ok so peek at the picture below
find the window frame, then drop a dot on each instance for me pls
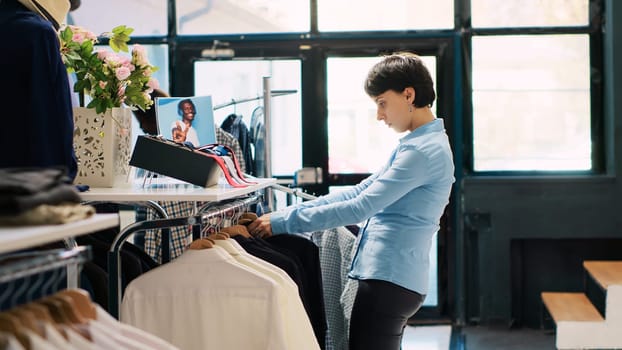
(594, 32)
(456, 69)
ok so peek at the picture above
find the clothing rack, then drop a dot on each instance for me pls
(213, 209)
(273, 93)
(24, 264)
(204, 213)
(224, 210)
(294, 191)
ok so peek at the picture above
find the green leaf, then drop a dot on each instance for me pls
(120, 37)
(66, 35)
(122, 30)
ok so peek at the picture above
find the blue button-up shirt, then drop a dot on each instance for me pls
(403, 201)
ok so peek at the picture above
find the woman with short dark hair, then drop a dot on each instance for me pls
(401, 206)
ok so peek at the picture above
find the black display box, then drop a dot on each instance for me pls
(172, 159)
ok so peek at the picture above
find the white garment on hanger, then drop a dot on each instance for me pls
(151, 341)
(10, 342)
(120, 341)
(53, 336)
(204, 299)
(78, 341)
(298, 332)
(36, 342)
(103, 340)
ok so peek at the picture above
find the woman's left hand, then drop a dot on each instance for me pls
(261, 227)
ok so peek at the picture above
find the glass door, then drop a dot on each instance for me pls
(229, 82)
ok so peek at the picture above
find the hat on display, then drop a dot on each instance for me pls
(54, 11)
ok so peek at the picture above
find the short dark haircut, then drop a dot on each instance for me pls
(182, 102)
(398, 71)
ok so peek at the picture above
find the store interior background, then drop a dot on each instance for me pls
(531, 94)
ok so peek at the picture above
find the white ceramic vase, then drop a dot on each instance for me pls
(102, 143)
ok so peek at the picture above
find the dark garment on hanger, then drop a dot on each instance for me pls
(146, 261)
(97, 279)
(234, 125)
(257, 137)
(308, 254)
(254, 247)
(132, 264)
(303, 285)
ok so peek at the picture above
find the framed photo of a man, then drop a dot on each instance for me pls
(186, 119)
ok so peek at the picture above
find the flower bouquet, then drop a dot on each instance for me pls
(109, 78)
(116, 84)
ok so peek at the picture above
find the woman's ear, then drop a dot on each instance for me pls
(409, 93)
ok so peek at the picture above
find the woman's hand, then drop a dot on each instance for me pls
(261, 227)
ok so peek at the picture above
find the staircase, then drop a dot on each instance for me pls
(592, 319)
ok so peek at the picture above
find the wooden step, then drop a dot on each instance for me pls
(564, 306)
(605, 273)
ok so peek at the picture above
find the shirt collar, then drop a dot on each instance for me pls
(436, 125)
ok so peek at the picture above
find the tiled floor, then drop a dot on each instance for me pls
(427, 338)
(504, 338)
(476, 338)
(439, 337)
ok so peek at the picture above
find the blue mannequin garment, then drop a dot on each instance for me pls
(258, 133)
(37, 119)
(235, 125)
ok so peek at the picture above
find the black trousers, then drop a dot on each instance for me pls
(379, 315)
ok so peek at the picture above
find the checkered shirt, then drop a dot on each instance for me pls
(337, 248)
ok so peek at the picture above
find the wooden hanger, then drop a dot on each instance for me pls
(221, 235)
(43, 314)
(236, 230)
(201, 243)
(82, 302)
(55, 309)
(10, 324)
(70, 309)
(61, 310)
(40, 311)
(27, 319)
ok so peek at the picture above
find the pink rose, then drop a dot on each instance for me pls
(102, 54)
(139, 55)
(78, 37)
(122, 73)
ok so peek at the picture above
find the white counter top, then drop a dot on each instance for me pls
(20, 237)
(173, 190)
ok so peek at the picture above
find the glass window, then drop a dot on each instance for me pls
(531, 102)
(241, 80)
(529, 13)
(242, 16)
(372, 15)
(357, 142)
(147, 17)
